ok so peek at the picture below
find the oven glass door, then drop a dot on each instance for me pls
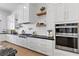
(60, 30)
(66, 30)
(71, 30)
(67, 42)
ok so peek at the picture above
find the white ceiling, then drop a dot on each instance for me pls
(8, 6)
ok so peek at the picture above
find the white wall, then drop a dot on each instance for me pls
(34, 8)
(49, 18)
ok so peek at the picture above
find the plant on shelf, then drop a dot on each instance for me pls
(42, 11)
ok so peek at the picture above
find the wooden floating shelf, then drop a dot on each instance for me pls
(42, 13)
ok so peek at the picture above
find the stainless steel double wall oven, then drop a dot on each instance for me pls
(67, 37)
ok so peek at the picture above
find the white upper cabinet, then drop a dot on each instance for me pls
(23, 13)
(73, 11)
(67, 13)
(11, 22)
(59, 13)
(2, 23)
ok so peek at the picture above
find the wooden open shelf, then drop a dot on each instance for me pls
(42, 13)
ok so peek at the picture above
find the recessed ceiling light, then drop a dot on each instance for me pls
(24, 7)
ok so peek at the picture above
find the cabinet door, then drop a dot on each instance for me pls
(11, 22)
(31, 43)
(35, 44)
(73, 11)
(50, 47)
(15, 39)
(22, 41)
(19, 41)
(26, 13)
(59, 13)
(46, 47)
(27, 44)
(20, 14)
(23, 13)
(3, 37)
(8, 37)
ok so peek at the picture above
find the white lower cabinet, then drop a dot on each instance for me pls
(42, 45)
(12, 38)
(9, 38)
(3, 37)
(47, 47)
(23, 42)
(39, 45)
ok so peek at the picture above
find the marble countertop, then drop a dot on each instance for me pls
(36, 36)
(30, 35)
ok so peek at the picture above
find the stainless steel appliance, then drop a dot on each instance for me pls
(67, 37)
